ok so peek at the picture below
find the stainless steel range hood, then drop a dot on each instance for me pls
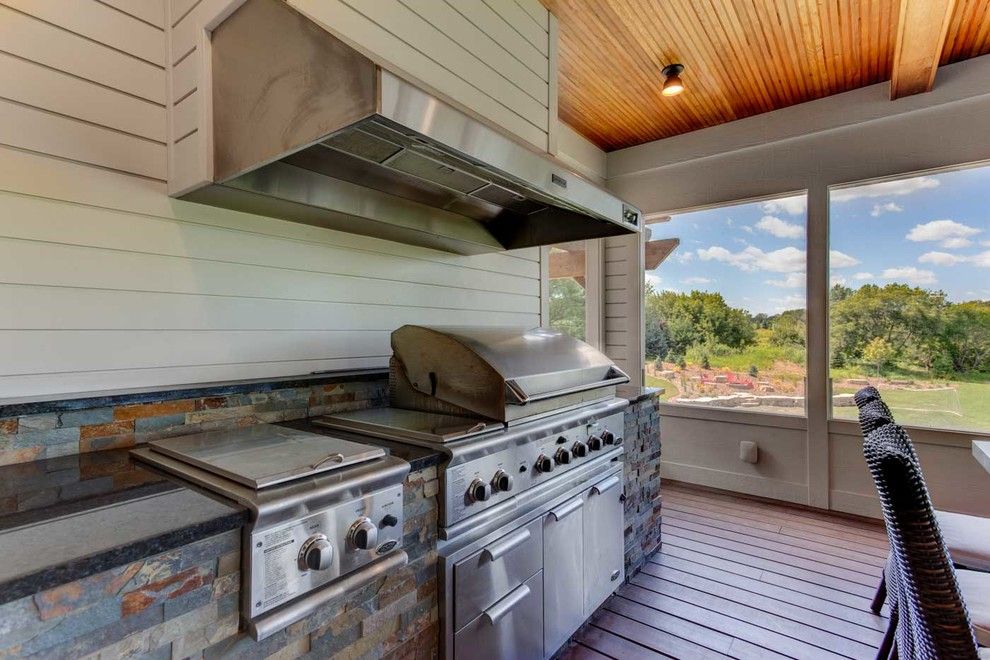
(305, 128)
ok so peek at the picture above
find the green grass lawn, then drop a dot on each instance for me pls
(670, 390)
(965, 408)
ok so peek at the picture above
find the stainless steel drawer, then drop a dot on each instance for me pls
(495, 570)
(509, 628)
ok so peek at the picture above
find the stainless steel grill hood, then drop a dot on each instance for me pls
(305, 128)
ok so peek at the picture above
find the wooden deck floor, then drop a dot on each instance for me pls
(746, 579)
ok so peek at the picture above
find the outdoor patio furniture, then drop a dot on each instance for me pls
(937, 612)
(966, 537)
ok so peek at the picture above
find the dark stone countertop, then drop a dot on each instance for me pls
(636, 394)
(64, 518)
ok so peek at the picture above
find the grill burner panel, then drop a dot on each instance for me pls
(326, 513)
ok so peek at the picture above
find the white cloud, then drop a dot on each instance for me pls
(985, 243)
(791, 281)
(889, 207)
(862, 276)
(838, 259)
(777, 227)
(683, 257)
(796, 205)
(696, 280)
(885, 189)
(836, 279)
(946, 231)
(789, 302)
(956, 243)
(910, 275)
(981, 260)
(655, 281)
(785, 260)
(940, 259)
(747, 229)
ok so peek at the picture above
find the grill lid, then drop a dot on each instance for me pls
(484, 370)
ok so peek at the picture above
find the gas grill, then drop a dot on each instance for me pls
(531, 520)
(325, 512)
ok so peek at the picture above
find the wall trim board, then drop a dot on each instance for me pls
(919, 435)
(855, 503)
(733, 481)
(767, 420)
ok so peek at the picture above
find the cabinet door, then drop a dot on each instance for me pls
(604, 545)
(563, 573)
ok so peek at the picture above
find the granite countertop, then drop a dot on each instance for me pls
(635, 394)
(64, 518)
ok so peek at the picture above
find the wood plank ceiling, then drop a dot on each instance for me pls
(743, 57)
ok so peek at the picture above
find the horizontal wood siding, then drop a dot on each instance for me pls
(623, 291)
(109, 283)
(489, 56)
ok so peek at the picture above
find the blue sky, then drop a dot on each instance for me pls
(931, 231)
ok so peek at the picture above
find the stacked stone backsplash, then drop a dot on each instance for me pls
(86, 425)
(185, 603)
(642, 472)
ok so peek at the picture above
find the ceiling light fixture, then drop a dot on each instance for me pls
(672, 85)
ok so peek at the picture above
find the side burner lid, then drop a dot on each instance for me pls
(264, 455)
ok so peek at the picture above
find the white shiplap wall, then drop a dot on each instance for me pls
(106, 282)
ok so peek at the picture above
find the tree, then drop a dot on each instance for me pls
(567, 307)
(966, 338)
(696, 318)
(788, 328)
(907, 318)
(655, 333)
(878, 352)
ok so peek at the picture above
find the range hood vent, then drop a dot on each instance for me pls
(306, 128)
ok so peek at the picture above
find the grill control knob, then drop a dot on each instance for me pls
(580, 450)
(479, 491)
(594, 443)
(544, 464)
(608, 438)
(316, 553)
(502, 482)
(563, 456)
(363, 534)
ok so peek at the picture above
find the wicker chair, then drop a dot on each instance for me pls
(929, 614)
(967, 537)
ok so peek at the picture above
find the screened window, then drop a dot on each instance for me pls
(568, 281)
(725, 306)
(912, 317)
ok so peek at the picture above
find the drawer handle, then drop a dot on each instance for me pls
(499, 548)
(605, 485)
(496, 612)
(565, 510)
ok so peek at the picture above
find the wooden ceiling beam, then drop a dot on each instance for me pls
(921, 30)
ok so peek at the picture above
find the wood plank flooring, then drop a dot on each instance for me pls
(742, 578)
